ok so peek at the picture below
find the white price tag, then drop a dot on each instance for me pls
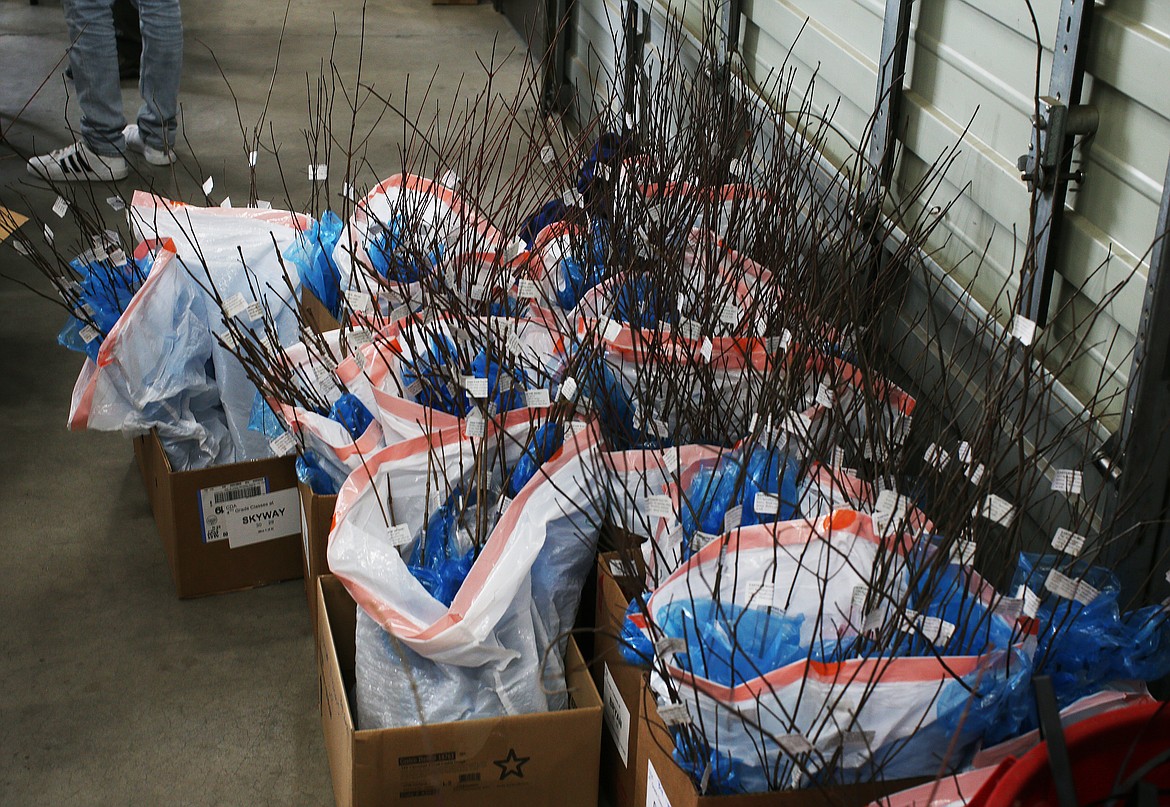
(88, 334)
(974, 473)
(766, 504)
(1009, 608)
(60, 207)
(226, 203)
(660, 507)
(1068, 542)
(263, 204)
(252, 157)
(527, 289)
(1068, 481)
(318, 172)
(568, 388)
(399, 535)
(255, 310)
(1023, 329)
(116, 203)
(208, 186)
(965, 455)
(936, 631)
(547, 155)
(996, 508)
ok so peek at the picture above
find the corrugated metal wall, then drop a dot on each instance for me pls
(973, 63)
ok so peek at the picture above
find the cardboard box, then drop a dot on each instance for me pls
(315, 314)
(620, 684)
(662, 783)
(142, 458)
(538, 759)
(316, 522)
(226, 528)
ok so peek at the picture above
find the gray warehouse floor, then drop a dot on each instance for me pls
(113, 691)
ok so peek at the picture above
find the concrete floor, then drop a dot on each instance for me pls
(111, 690)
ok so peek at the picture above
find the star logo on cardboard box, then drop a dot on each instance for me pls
(511, 765)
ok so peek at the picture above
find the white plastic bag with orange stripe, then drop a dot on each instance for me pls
(422, 661)
(406, 228)
(424, 374)
(801, 590)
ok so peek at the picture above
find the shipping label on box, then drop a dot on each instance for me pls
(617, 716)
(245, 513)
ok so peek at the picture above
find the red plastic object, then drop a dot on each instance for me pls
(1104, 753)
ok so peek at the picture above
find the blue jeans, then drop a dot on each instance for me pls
(94, 59)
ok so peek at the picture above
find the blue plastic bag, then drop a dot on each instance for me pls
(312, 254)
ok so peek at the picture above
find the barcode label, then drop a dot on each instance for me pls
(240, 490)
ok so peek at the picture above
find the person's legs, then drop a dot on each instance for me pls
(94, 59)
(128, 33)
(162, 62)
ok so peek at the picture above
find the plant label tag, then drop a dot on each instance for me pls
(234, 306)
(675, 714)
(398, 535)
(996, 508)
(1068, 542)
(766, 504)
(359, 301)
(568, 388)
(1064, 586)
(283, 444)
(794, 744)
(537, 398)
(936, 456)
(733, 518)
(1068, 481)
(660, 507)
(1023, 329)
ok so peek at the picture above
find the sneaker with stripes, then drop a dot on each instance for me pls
(77, 163)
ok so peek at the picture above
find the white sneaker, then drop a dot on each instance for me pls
(154, 156)
(77, 163)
